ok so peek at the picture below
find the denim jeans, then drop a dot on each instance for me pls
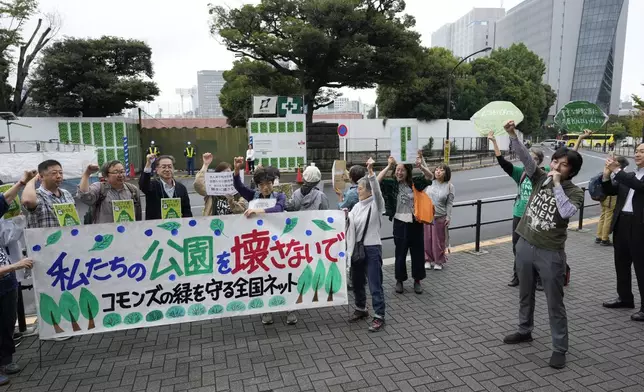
(373, 266)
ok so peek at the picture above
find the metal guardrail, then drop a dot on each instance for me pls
(479, 209)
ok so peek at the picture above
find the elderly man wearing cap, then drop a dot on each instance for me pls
(309, 197)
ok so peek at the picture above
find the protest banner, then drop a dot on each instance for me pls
(494, 115)
(14, 207)
(123, 210)
(66, 214)
(404, 143)
(171, 208)
(577, 116)
(116, 276)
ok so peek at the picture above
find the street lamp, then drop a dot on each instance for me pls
(449, 99)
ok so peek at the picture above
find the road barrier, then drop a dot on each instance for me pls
(479, 209)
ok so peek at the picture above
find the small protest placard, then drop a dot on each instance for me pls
(170, 208)
(262, 203)
(66, 214)
(123, 210)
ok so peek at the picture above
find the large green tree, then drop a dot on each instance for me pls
(18, 54)
(330, 43)
(94, 77)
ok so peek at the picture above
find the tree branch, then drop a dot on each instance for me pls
(317, 106)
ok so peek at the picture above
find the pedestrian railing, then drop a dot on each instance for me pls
(478, 223)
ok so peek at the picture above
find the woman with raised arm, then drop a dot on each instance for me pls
(365, 249)
(398, 193)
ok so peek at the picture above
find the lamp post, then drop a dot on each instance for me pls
(449, 98)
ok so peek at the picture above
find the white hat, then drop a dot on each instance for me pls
(188, 143)
(152, 142)
(312, 174)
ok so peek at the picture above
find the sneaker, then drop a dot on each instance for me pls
(376, 324)
(516, 338)
(4, 380)
(399, 287)
(428, 265)
(558, 360)
(358, 315)
(598, 240)
(514, 282)
(438, 267)
(267, 318)
(11, 368)
(291, 318)
(606, 243)
(418, 289)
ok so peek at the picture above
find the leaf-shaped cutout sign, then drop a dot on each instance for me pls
(54, 238)
(217, 224)
(290, 226)
(322, 225)
(170, 226)
(104, 243)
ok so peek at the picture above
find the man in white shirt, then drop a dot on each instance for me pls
(627, 228)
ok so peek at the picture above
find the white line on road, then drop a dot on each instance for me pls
(487, 178)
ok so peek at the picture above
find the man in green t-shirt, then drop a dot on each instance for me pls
(543, 231)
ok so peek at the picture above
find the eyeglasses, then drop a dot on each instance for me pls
(122, 172)
(165, 166)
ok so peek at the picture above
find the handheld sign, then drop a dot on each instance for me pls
(404, 143)
(576, 116)
(66, 214)
(170, 208)
(14, 207)
(220, 184)
(123, 210)
(494, 115)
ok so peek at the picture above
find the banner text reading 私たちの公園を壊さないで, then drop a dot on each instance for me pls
(107, 277)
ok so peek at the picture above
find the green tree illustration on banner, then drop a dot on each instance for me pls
(89, 306)
(50, 312)
(304, 283)
(333, 281)
(318, 279)
(69, 309)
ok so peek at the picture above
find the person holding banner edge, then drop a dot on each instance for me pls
(408, 232)
(364, 248)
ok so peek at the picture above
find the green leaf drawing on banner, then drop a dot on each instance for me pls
(153, 316)
(175, 312)
(111, 320)
(276, 301)
(236, 306)
(333, 281)
(133, 318)
(304, 283)
(50, 312)
(54, 238)
(104, 243)
(69, 309)
(322, 225)
(256, 303)
(217, 224)
(290, 225)
(170, 226)
(318, 279)
(216, 309)
(196, 310)
(89, 306)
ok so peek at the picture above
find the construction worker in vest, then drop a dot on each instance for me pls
(154, 149)
(189, 153)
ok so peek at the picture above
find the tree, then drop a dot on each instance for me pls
(94, 77)
(636, 125)
(372, 112)
(331, 43)
(13, 15)
(247, 78)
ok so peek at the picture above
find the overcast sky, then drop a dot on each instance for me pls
(177, 32)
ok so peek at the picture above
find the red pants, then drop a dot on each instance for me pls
(436, 241)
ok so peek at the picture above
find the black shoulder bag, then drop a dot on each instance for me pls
(359, 254)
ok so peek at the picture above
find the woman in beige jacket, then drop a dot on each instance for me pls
(217, 205)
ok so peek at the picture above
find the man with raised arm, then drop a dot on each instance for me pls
(540, 248)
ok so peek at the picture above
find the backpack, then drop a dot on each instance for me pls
(595, 188)
(92, 213)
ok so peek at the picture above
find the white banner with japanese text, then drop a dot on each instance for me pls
(108, 277)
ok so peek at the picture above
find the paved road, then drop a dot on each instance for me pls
(470, 185)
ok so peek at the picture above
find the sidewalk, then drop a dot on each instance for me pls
(448, 339)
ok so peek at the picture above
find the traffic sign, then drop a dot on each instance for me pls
(342, 130)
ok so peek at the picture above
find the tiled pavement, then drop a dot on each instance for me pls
(446, 339)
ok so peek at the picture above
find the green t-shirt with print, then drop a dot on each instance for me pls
(525, 190)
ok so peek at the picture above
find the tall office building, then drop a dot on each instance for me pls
(209, 84)
(472, 32)
(581, 42)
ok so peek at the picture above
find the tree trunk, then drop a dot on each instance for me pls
(315, 296)
(299, 299)
(57, 327)
(330, 297)
(309, 102)
(75, 326)
(91, 325)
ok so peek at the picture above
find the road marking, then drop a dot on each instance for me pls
(495, 241)
(487, 178)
